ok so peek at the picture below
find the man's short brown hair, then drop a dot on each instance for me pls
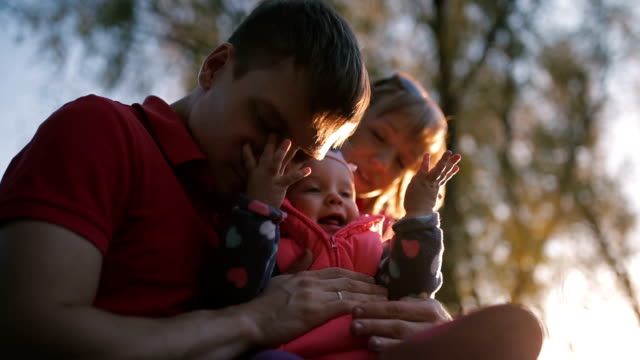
(319, 41)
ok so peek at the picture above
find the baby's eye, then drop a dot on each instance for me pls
(346, 194)
(312, 189)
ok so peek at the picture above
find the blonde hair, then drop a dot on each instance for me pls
(400, 93)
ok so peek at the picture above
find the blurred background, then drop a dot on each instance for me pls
(543, 98)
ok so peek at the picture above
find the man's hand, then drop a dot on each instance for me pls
(273, 173)
(422, 193)
(294, 304)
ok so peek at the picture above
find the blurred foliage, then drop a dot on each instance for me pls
(525, 94)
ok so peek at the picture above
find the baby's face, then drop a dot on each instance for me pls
(327, 195)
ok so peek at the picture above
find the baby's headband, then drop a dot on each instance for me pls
(337, 156)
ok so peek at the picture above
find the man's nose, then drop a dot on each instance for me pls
(258, 144)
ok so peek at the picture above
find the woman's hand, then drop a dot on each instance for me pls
(422, 193)
(271, 175)
(294, 304)
(388, 323)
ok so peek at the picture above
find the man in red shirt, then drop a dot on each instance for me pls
(109, 214)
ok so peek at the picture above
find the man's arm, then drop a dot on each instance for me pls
(48, 280)
(49, 277)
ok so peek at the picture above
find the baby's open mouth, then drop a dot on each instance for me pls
(333, 220)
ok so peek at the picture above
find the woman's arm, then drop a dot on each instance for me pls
(48, 280)
(388, 323)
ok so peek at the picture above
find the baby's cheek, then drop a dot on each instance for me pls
(352, 212)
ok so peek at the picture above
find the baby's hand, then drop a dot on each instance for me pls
(422, 192)
(272, 174)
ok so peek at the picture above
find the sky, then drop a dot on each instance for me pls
(583, 320)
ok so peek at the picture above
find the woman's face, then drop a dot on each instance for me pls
(383, 148)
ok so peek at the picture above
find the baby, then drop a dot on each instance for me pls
(323, 217)
(320, 214)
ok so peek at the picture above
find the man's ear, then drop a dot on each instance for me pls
(214, 63)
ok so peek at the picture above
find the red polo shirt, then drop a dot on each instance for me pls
(94, 168)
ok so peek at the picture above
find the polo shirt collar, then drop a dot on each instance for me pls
(170, 132)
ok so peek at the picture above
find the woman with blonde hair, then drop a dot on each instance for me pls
(401, 124)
